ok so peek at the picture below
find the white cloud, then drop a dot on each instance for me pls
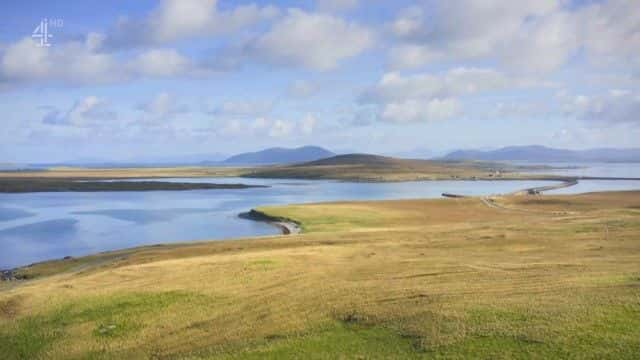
(315, 41)
(461, 29)
(280, 128)
(71, 62)
(543, 45)
(88, 111)
(615, 107)
(419, 110)
(177, 19)
(411, 56)
(86, 62)
(259, 124)
(458, 81)
(307, 124)
(160, 62)
(424, 96)
(241, 109)
(513, 109)
(79, 63)
(277, 128)
(533, 36)
(609, 31)
(162, 107)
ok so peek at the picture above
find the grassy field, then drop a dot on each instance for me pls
(530, 277)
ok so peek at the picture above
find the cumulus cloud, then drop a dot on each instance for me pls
(72, 62)
(419, 110)
(609, 31)
(276, 128)
(534, 36)
(615, 107)
(458, 81)
(315, 41)
(178, 19)
(241, 109)
(542, 46)
(460, 29)
(425, 96)
(88, 111)
(79, 63)
(162, 107)
(160, 62)
(92, 61)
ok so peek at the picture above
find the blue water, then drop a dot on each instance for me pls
(627, 170)
(623, 170)
(41, 226)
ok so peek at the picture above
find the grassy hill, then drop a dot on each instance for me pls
(366, 167)
(528, 277)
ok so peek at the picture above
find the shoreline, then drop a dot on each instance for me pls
(287, 226)
(21, 186)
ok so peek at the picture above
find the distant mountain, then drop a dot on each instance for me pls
(545, 154)
(279, 156)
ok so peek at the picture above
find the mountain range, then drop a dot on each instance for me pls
(545, 154)
(278, 155)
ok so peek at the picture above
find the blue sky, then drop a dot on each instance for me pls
(147, 80)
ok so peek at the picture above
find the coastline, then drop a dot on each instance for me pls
(17, 185)
(287, 226)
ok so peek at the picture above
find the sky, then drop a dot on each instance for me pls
(174, 79)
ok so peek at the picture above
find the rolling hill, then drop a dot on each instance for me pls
(367, 167)
(356, 159)
(279, 155)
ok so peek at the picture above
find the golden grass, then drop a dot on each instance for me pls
(364, 167)
(448, 278)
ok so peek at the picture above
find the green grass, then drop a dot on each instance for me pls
(598, 332)
(335, 341)
(111, 317)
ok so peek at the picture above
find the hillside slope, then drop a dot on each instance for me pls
(367, 167)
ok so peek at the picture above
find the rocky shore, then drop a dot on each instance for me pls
(287, 226)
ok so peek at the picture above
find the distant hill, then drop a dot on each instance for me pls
(367, 167)
(354, 159)
(280, 156)
(545, 154)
